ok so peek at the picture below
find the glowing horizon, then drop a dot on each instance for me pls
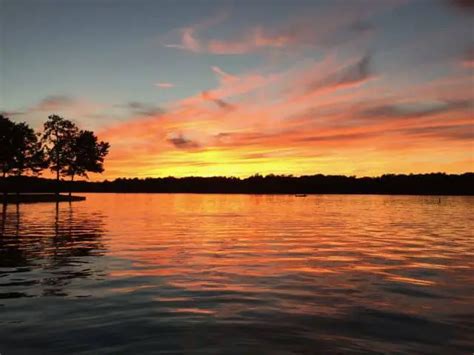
(355, 88)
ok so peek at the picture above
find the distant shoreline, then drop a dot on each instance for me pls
(415, 184)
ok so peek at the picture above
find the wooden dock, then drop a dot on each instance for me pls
(39, 197)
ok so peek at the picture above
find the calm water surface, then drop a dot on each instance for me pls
(238, 274)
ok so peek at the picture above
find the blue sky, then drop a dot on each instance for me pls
(101, 62)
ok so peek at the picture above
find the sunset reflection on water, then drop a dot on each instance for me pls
(238, 273)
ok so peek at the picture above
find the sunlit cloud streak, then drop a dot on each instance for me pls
(446, 132)
(219, 102)
(164, 85)
(353, 74)
(224, 75)
(256, 39)
(329, 27)
(415, 110)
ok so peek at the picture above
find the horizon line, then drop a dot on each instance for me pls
(248, 176)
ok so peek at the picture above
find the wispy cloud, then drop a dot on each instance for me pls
(11, 113)
(219, 102)
(182, 142)
(350, 75)
(224, 75)
(164, 85)
(78, 109)
(188, 36)
(54, 102)
(142, 109)
(188, 41)
(256, 39)
(446, 132)
(415, 110)
(329, 27)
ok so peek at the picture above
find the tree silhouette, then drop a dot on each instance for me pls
(59, 136)
(72, 152)
(87, 155)
(6, 147)
(28, 153)
(62, 147)
(21, 151)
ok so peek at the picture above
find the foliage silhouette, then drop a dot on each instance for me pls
(6, 147)
(72, 152)
(87, 155)
(20, 149)
(59, 135)
(28, 151)
(62, 147)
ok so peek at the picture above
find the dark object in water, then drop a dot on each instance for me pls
(300, 195)
(33, 198)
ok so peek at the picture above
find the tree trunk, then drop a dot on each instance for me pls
(4, 217)
(17, 219)
(4, 187)
(57, 182)
(17, 191)
(57, 163)
(70, 187)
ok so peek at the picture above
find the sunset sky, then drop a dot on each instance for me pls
(243, 87)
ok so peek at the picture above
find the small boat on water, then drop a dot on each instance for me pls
(300, 195)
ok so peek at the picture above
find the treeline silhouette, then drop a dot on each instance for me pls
(413, 184)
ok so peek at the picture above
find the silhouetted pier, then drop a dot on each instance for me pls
(39, 197)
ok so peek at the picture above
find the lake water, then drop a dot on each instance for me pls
(238, 274)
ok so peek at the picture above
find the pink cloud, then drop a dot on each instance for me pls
(224, 75)
(188, 35)
(54, 102)
(468, 63)
(330, 26)
(468, 57)
(164, 85)
(256, 39)
(188, 41)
